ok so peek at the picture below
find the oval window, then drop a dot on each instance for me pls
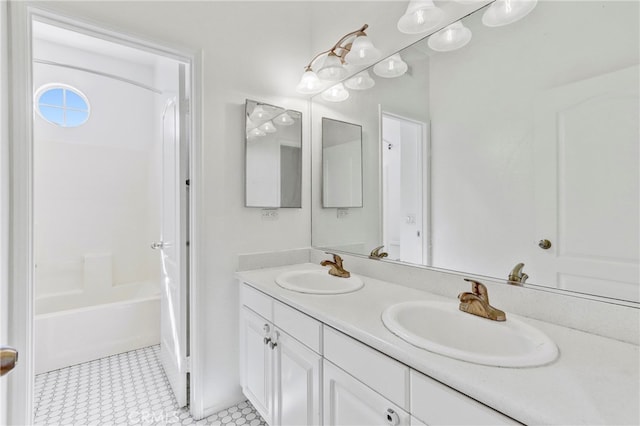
(62, 105)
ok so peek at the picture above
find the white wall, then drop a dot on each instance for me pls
(91, 182)
(482, 111)
(247, 53)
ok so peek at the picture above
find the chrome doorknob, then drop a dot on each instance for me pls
(8, 359)
(157, 245)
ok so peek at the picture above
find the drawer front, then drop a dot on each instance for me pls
(437, 404)
(381, 373)
(301, 326)
(257, 301)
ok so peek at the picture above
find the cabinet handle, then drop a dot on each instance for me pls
(274, 341)
(392, 417)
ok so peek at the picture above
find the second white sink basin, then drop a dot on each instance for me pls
(318, 282)
(442, 328)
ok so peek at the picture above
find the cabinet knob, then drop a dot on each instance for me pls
(392, 417)
(266, 340)
(274, 341)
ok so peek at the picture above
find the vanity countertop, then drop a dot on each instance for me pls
(595, 380)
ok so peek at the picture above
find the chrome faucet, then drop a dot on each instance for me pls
(336, 266)
(516, 276)
(477, 302)
(377, 254)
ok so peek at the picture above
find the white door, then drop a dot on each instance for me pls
(173, 244)
(256, 362)
(348, 401)
(587, 170)
(297, 374)
(403, 188)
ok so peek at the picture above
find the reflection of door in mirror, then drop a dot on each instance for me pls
(404, 209)
(341, 164)
(581, 188)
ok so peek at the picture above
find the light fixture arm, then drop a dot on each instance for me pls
(338, 46)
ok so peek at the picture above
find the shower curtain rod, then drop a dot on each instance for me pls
(104, 74)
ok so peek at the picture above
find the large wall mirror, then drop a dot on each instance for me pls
(519, 147)
(273, 156)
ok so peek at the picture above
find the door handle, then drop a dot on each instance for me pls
(157, 245)
(8, 359)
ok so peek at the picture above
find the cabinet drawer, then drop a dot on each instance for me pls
(381, 373)
(257, 301)
(437, 404)
(301, 326)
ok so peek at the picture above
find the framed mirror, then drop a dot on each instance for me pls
(521, 146)
(273, 156)
(341, 164)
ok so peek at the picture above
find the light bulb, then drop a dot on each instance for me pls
(421, 16)
(284, 119)
(450, 38)
(332, 68)
(254, 133)
(505, 12)
(309, 83)
(268, 127)
(391, 67)
(336, 93)
(362, 52)
(360, 81)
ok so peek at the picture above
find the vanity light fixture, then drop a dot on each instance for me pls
(353, 48)
(505, 12)
(258, 114)
(450, 38)
(360, 81)
(336, 93)
(391, 67)
(421, 16)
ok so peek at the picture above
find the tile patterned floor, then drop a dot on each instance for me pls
(125, 389)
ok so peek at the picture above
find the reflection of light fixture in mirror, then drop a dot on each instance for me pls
(362, 51)
(360, 81)
(284, 119)
(450, 38)
(391, 67)
(254, 133)
(354, 47)
(332, 68)
(421, 16)
(336, 93)
(268, 127)
(258, 114)
(505, 12)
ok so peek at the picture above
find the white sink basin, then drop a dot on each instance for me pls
(318, 282)
(442, 328)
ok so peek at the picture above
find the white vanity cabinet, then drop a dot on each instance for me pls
(280, 375)
(297, 371)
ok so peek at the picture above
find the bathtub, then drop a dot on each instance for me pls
(72, 336)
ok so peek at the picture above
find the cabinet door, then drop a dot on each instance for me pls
(256, 363)
(348, 401)
(297, 375)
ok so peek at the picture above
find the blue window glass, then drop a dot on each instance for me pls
(62, 105)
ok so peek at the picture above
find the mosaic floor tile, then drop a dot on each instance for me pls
(126, 389)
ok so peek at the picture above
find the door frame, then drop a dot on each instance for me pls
(425, 176)
(18, 200)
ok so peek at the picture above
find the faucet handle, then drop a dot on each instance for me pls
(478, 289)
(336, 259)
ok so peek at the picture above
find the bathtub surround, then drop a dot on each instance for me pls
(129, 388)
